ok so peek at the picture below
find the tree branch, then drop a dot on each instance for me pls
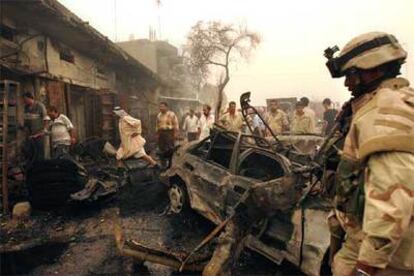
(215, 63)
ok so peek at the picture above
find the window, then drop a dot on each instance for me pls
(261, 166)
(66, 55)
(220, 152)
(222, 149)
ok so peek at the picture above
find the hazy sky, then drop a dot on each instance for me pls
(289, 61)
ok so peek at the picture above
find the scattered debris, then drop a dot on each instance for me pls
(22, 211)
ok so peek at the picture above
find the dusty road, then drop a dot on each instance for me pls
(84, 242)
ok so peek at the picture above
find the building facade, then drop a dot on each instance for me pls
(67, 63)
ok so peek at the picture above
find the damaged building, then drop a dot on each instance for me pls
(164, 59)
(66, 63)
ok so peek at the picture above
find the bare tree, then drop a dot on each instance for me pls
(216, 45)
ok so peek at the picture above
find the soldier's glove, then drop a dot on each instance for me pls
(362, 269)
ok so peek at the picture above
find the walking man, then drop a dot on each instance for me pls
(132, 143)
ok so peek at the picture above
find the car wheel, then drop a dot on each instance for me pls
(178, 198)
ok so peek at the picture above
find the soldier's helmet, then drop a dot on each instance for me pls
(365, 51)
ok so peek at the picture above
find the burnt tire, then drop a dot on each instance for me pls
(178, 196)
(51, 182)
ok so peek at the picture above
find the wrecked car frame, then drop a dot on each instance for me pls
(213, 176)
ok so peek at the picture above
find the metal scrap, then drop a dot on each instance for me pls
(140, 252)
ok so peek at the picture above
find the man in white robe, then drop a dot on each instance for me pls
(132, 143)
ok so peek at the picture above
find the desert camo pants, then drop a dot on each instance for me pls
(346, 258)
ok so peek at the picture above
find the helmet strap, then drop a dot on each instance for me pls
(363, 88)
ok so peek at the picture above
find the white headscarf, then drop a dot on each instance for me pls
(120, 112)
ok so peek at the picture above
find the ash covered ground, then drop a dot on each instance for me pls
(79, 240)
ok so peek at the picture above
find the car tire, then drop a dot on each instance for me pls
(178, 196)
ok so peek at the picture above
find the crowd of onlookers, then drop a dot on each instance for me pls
(302, 120)
(41, 122)
(197, 125)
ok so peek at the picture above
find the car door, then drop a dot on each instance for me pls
(209, 176)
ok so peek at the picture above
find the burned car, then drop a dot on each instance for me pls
(91, 174)
(213, 176)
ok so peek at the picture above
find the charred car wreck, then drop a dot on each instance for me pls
(91, 174)
(258, 193)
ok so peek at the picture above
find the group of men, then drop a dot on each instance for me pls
(43, 125)
(39, 122)
(302, 121)
(197, 125)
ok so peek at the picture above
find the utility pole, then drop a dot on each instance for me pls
(158, 2)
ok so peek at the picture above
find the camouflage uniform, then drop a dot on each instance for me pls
(374, 200)
(379, 151)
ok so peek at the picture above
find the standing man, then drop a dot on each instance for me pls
(302, 122)
(191, 126)
(206, 122)
(374, 201)
(35, 125)
(276, 118)
(62, 133)
(309, 111)
(328, 116)
(132, 143)
(167, 130)
(232, 120)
